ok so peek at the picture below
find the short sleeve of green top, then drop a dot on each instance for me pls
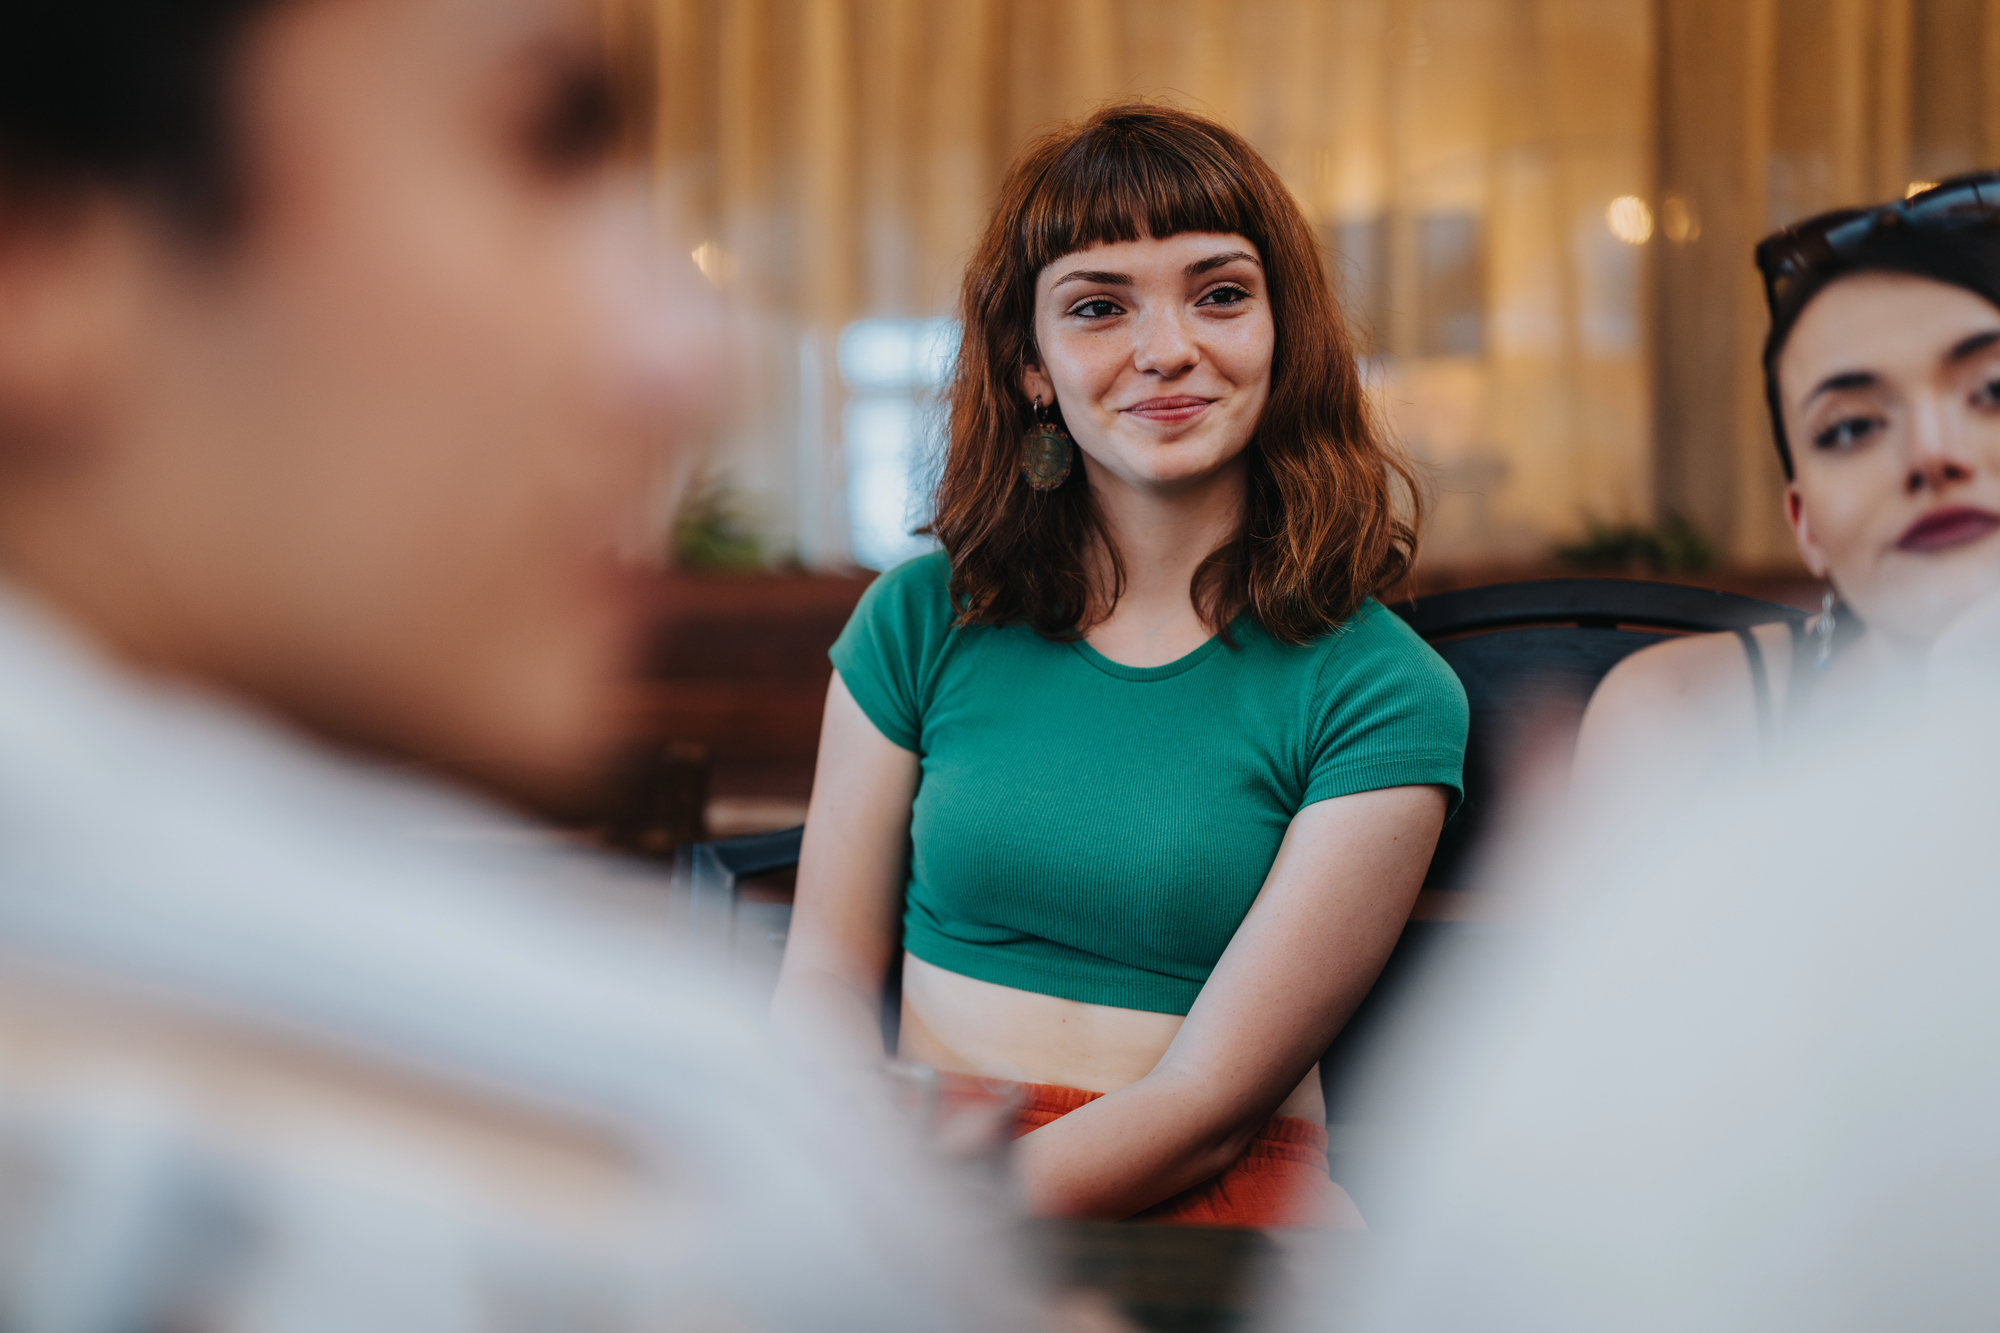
(1097, 831)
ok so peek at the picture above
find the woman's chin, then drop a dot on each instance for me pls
(1172, 470)
(1929, 604)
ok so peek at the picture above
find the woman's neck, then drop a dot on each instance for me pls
(1162, 536)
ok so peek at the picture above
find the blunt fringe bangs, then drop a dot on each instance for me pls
(1332, 507)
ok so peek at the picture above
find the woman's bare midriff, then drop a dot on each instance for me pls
(958, 1023)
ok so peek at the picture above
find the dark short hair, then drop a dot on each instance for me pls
(131, 96)
(1968, 258)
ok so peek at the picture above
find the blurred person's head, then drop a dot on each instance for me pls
(1149, 281)
(332, 347)
(1883, 375)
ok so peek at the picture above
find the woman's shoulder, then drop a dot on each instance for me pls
(889, 652)
(1375, 642)
(923, 576)
(1381, 709)
(1694, 671)
(1373, 665)
(1679, 704)
(915, 595)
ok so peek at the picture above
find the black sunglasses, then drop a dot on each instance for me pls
(1803, 249)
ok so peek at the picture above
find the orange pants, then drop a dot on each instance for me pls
(1279, 1181)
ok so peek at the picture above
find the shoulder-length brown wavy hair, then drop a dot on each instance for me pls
(1332, 506)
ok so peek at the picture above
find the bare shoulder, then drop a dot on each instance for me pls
(1682, 702)
(1693, 669)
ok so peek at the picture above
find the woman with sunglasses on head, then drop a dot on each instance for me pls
(1882, 371)
(1134, 774)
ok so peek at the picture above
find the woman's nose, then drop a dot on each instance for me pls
(1938, 450)
(1162, 345)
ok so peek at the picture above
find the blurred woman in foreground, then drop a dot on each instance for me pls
(1135, 773)
(1882, 371)
(334, 352)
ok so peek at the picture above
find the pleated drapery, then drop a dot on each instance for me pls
(1539, 211)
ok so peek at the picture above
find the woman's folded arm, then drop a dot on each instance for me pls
(1313, 943)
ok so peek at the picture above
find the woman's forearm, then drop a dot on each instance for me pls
(1130, 1149)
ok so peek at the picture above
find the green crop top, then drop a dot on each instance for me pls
(1097, 831)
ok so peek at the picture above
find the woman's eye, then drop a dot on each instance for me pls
(1987, 395)
(1225, 296)
(1097, 307)
(1847, 432)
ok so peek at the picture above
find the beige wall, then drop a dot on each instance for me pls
(837, 158)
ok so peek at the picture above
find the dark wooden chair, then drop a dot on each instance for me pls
(734, 897)
(1529, 655)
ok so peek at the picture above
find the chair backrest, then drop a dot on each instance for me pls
(1530, 654)
(712, 907)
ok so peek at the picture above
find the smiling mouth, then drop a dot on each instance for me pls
(1168, 409)
(1947, 528)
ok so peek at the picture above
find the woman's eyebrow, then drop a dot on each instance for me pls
(1097, 276)
(1972, 346)
(1846, 379)
(1201, 266)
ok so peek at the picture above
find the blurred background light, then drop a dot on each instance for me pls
(1631, 221)
(897, 355)
(713, 263)
(890, 425)
(1678, 220)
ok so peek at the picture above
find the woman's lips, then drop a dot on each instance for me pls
(1946, 528)
(1168, 409)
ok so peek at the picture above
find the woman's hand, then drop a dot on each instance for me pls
(1330, 911)
(847, 913)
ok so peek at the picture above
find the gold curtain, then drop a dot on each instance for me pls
(1539, 211)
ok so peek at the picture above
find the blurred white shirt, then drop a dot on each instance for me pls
(289, 1042)
(1751, 1078)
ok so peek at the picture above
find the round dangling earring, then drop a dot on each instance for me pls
(1822, 628)
(1046, 451)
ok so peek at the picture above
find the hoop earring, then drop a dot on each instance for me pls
(1046, 451)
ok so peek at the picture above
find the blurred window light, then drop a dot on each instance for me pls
(881, 434)
(1630, 220)
(897, 355)
(892, 370)
(1678, 220)
(713, 263)
(1918, 187)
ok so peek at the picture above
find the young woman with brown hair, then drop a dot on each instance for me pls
(1134, 771)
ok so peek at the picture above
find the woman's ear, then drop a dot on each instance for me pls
(68, 287)
(1795, 515)
(1035, 383)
